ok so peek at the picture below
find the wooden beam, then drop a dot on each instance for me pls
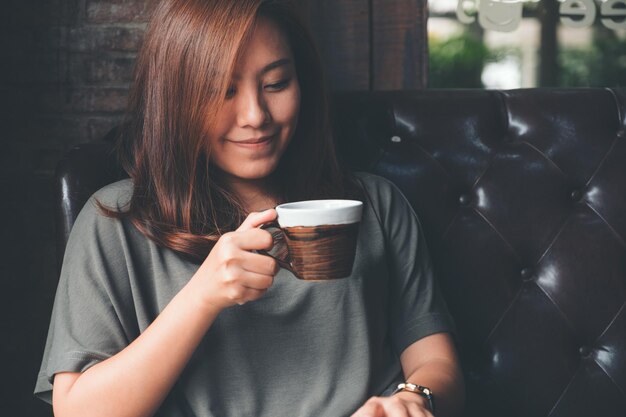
(342, 32)
(399, 44)
(371, 44)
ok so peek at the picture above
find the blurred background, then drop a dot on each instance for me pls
(66, 66)
(547, 43)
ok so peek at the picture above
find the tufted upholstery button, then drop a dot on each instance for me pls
(527, 274)
(621, 133)
(464, 199)
(396, 139)
(585, 351)
(576, 195)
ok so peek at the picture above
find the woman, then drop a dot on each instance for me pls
(164, 307)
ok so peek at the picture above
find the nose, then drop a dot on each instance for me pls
(252, 110)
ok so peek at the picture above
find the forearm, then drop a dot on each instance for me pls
(134, 382)
(445, 380)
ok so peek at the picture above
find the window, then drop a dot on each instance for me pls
(526, 43)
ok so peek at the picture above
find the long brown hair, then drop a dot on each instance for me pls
(182, 75)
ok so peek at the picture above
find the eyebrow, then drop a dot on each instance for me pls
(275, 64)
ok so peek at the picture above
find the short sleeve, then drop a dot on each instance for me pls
(417, 308)
(91, 318)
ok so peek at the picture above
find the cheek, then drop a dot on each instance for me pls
(223, 122)
(286, 109)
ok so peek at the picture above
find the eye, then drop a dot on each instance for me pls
(230, 92)
(278, 86)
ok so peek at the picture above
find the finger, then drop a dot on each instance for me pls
(237, 280)
(421, 413)
(261, 264)
(417, 411)
(250, 239)
(249, 295)
(371, 408)
(394, 408)
(414, 410)
(415, 405)
(256, 219)
(239, 287)
(256, 281)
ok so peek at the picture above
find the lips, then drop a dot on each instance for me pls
(253, 141)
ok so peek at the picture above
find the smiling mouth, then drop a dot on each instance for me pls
(252, 142)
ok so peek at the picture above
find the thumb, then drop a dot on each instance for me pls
(256, 219)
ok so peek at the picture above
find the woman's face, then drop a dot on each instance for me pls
(261, 108)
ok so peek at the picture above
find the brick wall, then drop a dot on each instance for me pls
(64, 76)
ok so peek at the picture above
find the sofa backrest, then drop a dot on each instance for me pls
(522, 196)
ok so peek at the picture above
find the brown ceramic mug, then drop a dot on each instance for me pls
(316, 239)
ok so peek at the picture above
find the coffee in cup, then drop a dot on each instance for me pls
(316, 239)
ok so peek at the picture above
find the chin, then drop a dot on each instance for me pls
(254, 173)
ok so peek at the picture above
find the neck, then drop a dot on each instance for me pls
(255, 195)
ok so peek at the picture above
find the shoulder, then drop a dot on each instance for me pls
(372, 181)
(100, 241)
(116, 195)
(92, 218)
(378, 188)
(386, 199)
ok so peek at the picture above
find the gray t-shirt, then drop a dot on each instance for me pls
(305, 349)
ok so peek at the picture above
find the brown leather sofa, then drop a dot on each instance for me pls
(522, 195)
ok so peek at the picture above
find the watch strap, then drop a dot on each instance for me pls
(419, 390)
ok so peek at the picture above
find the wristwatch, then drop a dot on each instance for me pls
(419, 390)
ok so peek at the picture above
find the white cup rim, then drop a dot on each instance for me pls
(319, 212)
